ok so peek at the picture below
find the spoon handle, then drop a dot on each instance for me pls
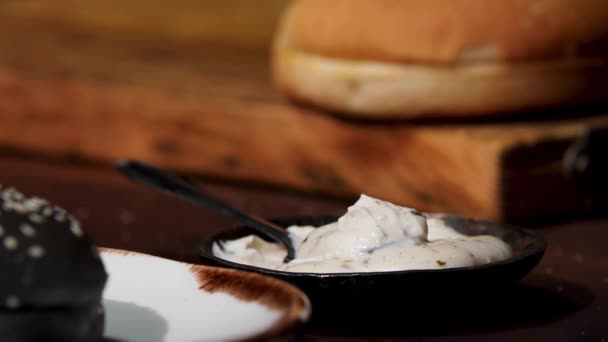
(177, 186)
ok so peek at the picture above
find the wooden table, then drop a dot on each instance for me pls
(564, 299)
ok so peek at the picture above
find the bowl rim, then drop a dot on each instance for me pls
(538, 250)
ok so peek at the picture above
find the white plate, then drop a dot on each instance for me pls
(153, 299)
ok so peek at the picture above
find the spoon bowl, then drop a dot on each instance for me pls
(327, 288)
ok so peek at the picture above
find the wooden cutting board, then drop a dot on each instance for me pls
(72, 90)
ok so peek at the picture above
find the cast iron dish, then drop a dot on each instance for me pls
(528, 249)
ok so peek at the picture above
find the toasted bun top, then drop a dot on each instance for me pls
(447, 31)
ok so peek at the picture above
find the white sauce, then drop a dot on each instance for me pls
(373, 236)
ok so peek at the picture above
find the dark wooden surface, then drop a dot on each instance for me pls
(564, 299)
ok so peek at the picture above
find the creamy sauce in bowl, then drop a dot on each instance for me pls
(373, 236)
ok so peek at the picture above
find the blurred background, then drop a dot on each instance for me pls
(187, 86)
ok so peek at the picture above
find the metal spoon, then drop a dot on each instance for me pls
(177, 186)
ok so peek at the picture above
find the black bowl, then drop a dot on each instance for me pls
(326, 288)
